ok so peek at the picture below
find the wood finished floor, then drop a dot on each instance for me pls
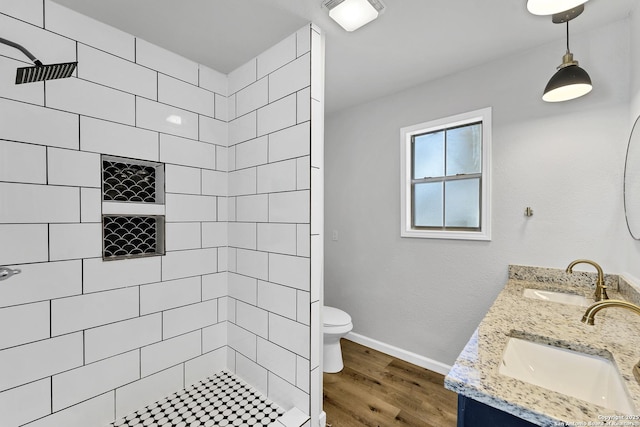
(378, 390)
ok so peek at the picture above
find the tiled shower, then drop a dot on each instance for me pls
(86, 340)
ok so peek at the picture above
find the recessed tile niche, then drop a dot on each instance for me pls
(129, 236)
(133, 222)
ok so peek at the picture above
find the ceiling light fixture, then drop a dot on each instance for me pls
(569, 82)
(353, 14)
(550, 7)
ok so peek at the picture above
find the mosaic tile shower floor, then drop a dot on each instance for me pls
(221, 400)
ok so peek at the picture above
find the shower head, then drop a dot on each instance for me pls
(39, 72)
(44, 72)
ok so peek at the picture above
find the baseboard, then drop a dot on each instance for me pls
(407, 356)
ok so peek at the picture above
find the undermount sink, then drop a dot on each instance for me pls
(559, 297)
(587, 377)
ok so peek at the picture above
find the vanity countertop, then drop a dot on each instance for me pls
(615, 335)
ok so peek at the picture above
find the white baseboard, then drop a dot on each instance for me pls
(407, 356)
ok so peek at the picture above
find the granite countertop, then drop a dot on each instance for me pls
(615, 336)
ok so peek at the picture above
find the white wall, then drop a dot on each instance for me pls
(82, 341)
(565, 161)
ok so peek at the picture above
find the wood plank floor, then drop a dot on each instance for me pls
(378, 390)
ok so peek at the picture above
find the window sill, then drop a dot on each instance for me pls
(450, 235)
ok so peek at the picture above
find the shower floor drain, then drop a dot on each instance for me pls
(221, 400)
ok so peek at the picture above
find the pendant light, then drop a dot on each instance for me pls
(569, 82)
(550, 7)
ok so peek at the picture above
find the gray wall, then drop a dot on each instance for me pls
(565, 161)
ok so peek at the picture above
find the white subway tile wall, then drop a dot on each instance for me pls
(313, 316)
(222, 107)
(73, 168)
(183, 235)
(214, 81)
(113, 71)
(27, 203)
(34, 93)
(89, 99)
(136, 395)
(213, 131)
(30, 323)
(166, 119)
(93, 379)
(100, 136)
(166, 62)
(26, 10)
(242, 128)
(166, 295)
(63, 21)
(55, 128)
(251, 153)
(40, 359)
(270, 221)
(20, 404)
(277, 56)
(115, 338)
(74, 241)
(202, 366)
(277, 115)
(45, 281)
(59, 48)
(187, 152)
(252, 97)
(101, 276)
(25, 243)
(92, 340)
(23, 163)
(182, 179)
(96, 411)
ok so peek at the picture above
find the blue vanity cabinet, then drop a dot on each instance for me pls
(472, 413)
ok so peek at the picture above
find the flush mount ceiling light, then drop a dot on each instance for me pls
(550, 7)
(353, 14)
(569, 82)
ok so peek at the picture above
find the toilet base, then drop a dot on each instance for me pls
(332, 357)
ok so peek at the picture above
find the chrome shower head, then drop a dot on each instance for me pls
(39, 72)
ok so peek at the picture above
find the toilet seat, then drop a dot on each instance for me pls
(335, 317)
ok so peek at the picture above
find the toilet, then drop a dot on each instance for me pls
(336, 324)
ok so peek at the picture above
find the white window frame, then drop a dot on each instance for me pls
(406, 134)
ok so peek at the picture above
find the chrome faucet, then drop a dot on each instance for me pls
(601, 305)
(601, 290)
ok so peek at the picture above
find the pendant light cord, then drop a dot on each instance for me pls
(568, 37)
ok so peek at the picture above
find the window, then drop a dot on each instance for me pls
(445, 171)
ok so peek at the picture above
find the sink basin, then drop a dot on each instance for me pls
(560, 297)
(590, 378)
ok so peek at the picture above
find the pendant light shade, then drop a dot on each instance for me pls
(550, 7)
(569, 82)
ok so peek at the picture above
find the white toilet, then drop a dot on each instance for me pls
(336, 324)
